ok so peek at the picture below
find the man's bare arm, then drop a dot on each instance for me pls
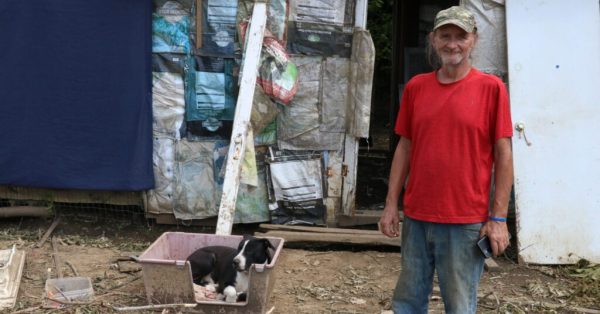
(390, 219)
(497, 231)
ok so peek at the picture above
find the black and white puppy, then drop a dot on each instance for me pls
(225, 269)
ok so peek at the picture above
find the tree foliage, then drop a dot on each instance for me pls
(380, 24)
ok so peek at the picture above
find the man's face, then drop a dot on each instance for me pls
(452, 44)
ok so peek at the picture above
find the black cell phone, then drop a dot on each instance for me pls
(484, 246)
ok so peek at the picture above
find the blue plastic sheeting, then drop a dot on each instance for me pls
(171, 26)
(218, 27)
(171, 36)
(214, 90)
(75, 94)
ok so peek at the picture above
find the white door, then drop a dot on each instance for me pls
(554, 78)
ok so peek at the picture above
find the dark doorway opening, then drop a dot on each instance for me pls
(399, 30)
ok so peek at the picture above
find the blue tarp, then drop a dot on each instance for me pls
(75, 94)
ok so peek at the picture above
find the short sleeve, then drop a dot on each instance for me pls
(403, 121)
(503, 122)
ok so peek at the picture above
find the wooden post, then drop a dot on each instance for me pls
(199, 29)
(242, 119)
(349, 172)
(351, 143)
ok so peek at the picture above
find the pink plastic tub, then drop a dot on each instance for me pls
(168, 276)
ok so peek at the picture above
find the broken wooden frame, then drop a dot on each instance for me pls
(241, 123)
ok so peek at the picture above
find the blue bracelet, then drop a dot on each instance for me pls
(499, 219)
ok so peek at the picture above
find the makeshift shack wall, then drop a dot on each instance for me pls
(318, 36)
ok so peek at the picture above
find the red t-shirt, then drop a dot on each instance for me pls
(452, 128)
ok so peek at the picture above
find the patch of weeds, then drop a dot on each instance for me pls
(133, 246)
(99, 242)
(87, 310)
(11, 234)
(587, 286)
(20, 305)
(511, 308)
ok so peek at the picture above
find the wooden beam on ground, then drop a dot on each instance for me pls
(361, 217)
(24, 211)
(342, 238)
(318, 229)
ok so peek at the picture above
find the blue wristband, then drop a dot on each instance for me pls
(498, 219)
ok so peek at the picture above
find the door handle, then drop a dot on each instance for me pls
(520, 127)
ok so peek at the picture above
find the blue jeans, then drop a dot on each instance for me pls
(449, 249)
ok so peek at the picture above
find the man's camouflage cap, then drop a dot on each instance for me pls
(458, 16)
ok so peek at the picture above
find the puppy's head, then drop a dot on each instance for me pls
(252, 250)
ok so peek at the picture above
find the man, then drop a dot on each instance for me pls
(455, 126)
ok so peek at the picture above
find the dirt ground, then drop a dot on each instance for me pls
(309, 278)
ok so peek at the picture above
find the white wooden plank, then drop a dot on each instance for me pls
(350, 163)
(333, 205)
(351, 143)
(333, 202)
(242, 119)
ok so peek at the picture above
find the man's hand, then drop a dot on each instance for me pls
(389, 223)
(497, 232)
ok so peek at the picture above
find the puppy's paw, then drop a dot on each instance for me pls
(211, 287)
(230, 294)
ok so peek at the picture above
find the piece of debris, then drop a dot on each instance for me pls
(11, 271)
(152, 307)
(357, 301)
(547, 271)
(271, 310)
(125, 256)
(202, 293)
(491, 266)
(129, 267)
(536, 289)
(73, 269)
(68, 291)
(48, 232)
(56, 257)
